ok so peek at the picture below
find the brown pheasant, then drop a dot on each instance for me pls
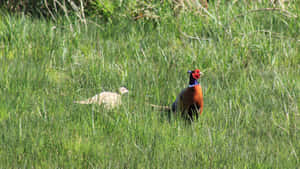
(190, 100)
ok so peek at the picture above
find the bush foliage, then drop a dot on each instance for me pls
(106, 9)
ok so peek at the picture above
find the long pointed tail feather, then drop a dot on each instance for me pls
(83, 102)
(94, 99)
(161, 108)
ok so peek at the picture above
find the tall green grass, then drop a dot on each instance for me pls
(251, 89)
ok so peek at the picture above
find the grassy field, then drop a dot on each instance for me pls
(251, 119)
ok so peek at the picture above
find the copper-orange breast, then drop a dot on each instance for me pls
(192, 100)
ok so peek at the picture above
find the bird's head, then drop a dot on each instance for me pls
(123, 90)
(195, 74)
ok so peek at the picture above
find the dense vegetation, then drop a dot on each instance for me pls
(248, 52)
(106, 9)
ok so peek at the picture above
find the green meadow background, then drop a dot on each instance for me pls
(251, 62)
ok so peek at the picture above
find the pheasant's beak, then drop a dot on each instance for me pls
(201, 73)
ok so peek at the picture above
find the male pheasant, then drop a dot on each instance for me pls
(190, 100)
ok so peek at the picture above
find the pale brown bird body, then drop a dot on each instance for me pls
(108, 99)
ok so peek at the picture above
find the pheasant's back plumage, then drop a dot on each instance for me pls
(108, 99)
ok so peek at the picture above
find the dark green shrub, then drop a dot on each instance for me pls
(107, 9)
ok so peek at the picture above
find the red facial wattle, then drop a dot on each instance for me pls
(196, 74)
